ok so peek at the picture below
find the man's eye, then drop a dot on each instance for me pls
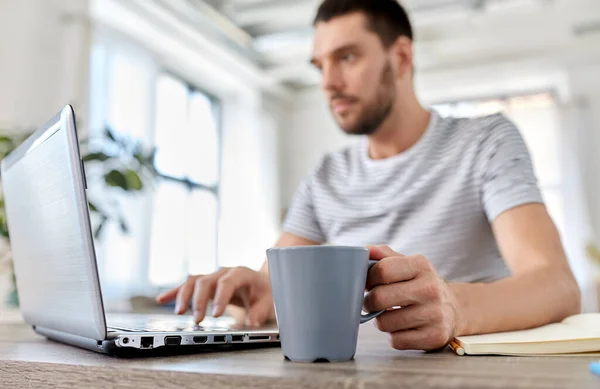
(349, 57)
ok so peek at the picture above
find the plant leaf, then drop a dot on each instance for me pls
(151, 157)
(93, 208)
(3, 231)
(134, 182)
(96, 157)
(99, 228)
(123, 225)
(115, 178)
(109, 134)
(6, 139)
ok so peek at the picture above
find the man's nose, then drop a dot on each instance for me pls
(332, 79)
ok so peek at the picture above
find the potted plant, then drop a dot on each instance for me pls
(119, 162)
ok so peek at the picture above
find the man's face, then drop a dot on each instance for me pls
(357, 74)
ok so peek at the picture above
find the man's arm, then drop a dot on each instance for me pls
(288, 240)
(540, 290)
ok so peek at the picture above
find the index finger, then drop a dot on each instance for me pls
(167, 296)
(380, 252)
(226, 287)
(392, 269)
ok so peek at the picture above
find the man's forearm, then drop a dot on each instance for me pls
(523, 301)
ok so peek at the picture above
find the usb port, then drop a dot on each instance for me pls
(219, 339)
(237, 338)
(200, 339)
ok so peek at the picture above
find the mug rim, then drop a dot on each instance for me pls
(314, 247)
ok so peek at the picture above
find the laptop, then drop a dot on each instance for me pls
(55, 265)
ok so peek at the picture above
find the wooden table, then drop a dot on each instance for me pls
(28, 360)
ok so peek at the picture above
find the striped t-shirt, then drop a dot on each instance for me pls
(436, 199)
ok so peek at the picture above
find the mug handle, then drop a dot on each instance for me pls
(372, 315)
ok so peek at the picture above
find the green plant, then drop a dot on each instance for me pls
(121, 163)
(115, 161)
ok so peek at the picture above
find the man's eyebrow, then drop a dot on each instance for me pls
(348, 47)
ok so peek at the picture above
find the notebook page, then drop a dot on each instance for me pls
(584, 320)
(549, 333)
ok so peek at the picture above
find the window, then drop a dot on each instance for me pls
(184, 224)
(537, 118)
(172, 225)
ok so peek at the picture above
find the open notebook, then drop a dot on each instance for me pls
(574, 335)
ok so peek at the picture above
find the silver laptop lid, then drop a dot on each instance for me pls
(50, 233)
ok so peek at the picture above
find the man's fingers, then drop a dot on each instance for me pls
(406, 318)
(379, 252)
(184, 296)
(260, 312)
(204, 289)
(426, 338)
(402, 294)
(397, 269)
(226, 287)
(167, 296)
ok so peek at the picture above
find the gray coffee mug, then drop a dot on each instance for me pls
(318, 293)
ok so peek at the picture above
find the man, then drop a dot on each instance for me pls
(458, 197)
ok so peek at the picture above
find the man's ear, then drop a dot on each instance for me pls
(402, 50)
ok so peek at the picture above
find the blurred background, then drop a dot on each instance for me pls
(210, 115)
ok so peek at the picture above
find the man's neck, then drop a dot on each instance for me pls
(401, 130)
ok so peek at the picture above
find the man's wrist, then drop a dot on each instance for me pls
(465, 322)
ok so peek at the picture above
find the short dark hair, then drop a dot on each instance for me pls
(387, 18)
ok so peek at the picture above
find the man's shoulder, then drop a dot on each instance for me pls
(337, 162)
(477, 124)
(478, 130)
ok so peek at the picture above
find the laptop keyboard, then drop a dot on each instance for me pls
(167, 323)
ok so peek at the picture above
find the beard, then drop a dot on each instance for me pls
(374, 112)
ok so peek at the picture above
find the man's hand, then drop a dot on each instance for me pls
(240, 286)
(428, 317)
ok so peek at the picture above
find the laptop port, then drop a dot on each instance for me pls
(237, 338)
(219, 339)
(200, 339)
(172, 340)
(147, 342)
(257, 337)
(125, 340)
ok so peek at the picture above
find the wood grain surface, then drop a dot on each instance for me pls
(30, 361)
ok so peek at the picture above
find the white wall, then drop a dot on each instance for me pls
(43, 60)
(43, 65)
(311, 133)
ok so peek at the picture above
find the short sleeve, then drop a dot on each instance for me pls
(504, 168)
(301, 219)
